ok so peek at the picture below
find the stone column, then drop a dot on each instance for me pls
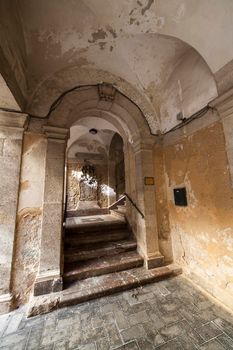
(224, 105)
(147, 226)
(130, 185)
(11, 137)
(49, 278)
(111, 181)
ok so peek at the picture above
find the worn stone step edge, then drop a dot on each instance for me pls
(75, 254)
(103, 266)
(84, 239)
(47, 303)
(87, 212)
(96, 226)
(117, 213)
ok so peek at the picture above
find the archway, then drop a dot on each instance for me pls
(124, 117)
(94, 147)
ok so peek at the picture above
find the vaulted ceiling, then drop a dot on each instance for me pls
(165, 55)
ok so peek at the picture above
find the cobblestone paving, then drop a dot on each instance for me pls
(170, 314)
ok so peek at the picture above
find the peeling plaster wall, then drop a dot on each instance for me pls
(190, 78)
(29, 216)
(202, 232)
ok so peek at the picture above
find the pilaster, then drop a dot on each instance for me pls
(49, 278)
(11, 137)
(147, 226)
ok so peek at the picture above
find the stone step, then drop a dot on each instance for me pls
(96, 287)
(87, 212)
(79, 239)
(90, 251)
(96, 227)
(121, 208)
(100, 266)
(117, 213)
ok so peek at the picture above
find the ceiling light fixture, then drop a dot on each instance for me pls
(93, 131)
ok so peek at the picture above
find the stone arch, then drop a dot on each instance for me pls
(122, 113)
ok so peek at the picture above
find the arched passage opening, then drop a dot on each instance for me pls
(95, 167)
(117, 115)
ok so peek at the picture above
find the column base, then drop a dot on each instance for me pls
(5, 303)
(48, 284)
(154, 261)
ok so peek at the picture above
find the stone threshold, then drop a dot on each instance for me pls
(96, 287)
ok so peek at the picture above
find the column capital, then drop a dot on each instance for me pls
(13, 120)
(56, 133)
(143, 145)
(224, 104)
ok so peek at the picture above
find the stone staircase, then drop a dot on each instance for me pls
(98, 249)
(119, 211)
(100, 259)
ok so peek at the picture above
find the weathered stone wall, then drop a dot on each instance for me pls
(10, 161)
(29, 216)
(79, 191)
(202, 232)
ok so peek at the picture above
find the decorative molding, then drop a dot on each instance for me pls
(107, 92)
(48, 282)
(5, 303)
(13, 120)
(56, 133)
(224, 104)
(48, 275)
(6, 298)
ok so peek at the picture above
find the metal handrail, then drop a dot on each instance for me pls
(134, 204)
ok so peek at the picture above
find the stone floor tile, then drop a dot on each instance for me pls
(4, 323)
(14, 338)
(133, 332)
(102, 344)
(97, 321)
(75, 339)
(225, 325)
(209, 331)
(19, 346)
(139, 317)
(114, 336)
(111, 307)
(121, 320)
(13, 324)
(212, 345)
(171, 345)
(90, 335)
(168, 320)
(35, 337)
(157, 319)
(145, 344)
(187, 342)
(226, 341)
(152, 335)
(138, 307)
(61, 345)
(174, 330)
(90, 346)
(129, 346)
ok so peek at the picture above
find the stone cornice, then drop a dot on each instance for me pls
(13, 120)
(56, 133)
(224, 104)
(146, 144)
